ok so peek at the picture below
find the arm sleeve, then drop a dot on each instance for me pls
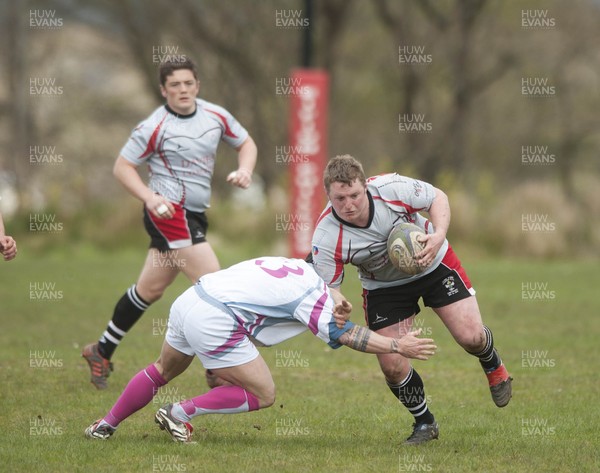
(316, 313)
(405, 194)
(326, 328)
(141, 144)
(328, 265)
(233, 133)
(336, 332)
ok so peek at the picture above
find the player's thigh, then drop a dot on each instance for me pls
(254, 376)
(395, 367)
(171, 362)
(157, 274)
(463, 320)
(196, 260)
(221, 344)
(216, 337)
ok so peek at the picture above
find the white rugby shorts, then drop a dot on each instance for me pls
(201, 328)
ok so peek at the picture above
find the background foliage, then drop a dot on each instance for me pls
(468, 89)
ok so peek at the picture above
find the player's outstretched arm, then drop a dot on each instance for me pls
(410, 346)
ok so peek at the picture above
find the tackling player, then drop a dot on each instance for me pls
(261, 302)
(353, 229)
(178, 142)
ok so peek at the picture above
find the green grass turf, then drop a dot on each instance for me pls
(333, 411)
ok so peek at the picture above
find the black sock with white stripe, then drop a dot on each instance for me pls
(488, 357)
(411, 392)
(127, 312)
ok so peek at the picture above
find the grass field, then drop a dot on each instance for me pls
(333, 411)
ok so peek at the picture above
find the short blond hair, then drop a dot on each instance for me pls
(345, 169)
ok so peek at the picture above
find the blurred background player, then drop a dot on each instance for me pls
(178, 142)
(353, 229)
(263, 301)
(8, 246)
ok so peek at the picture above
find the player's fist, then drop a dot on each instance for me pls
(341, 313)
(160, 207)
(240, 178)
(8, 247)
(433, 243)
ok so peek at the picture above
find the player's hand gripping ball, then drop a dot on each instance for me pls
(403, 245)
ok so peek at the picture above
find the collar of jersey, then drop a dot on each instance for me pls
(371, 214)
(179, 115)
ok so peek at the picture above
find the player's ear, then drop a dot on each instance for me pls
(163, 91)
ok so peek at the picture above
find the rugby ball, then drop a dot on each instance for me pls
(403, 245)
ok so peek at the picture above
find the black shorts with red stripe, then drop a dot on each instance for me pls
(185, 228)
(446, 284)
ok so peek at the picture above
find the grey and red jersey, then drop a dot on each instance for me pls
(393, 199)
(180, 151)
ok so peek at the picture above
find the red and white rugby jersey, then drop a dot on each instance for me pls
(180, 150)
(394, 199)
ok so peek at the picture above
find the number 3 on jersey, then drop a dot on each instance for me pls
(280, 272)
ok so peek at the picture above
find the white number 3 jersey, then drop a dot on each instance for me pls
(275, 298)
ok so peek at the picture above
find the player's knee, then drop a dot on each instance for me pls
(166, 375)
(395, 372)
(473, 340)
(266, 398)
(150, 294)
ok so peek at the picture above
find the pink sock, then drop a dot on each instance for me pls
(138, 393)
(220, 400)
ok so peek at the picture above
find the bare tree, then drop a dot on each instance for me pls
(399, 23)
(453, 30)
(332, 17)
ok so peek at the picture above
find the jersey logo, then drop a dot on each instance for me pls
(417, 188)
(177, 145)
(450, 285)
(379, 319)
